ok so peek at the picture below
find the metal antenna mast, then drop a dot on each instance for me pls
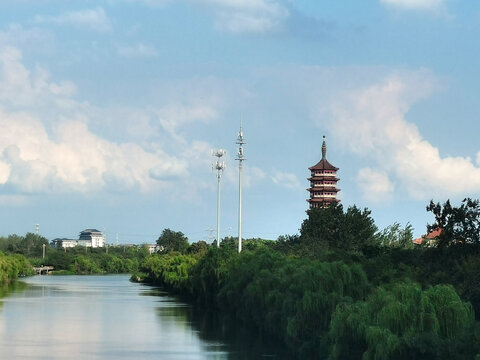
(219, 166)
(240, 159)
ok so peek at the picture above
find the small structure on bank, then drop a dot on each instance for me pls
(323, 182)
(43, 270)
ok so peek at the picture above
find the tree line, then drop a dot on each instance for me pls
(78, 260)
(341, 289)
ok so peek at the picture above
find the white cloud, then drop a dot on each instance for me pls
(371, 121)
(138, 50)
(39, 154)
(436, 6)
(375, 185)
(287, 180)
(246, 16)
(252, 175)
(21, 87)
(173, 116)
(73, 158)
(4, 172)
(18, 36)
(94, 19)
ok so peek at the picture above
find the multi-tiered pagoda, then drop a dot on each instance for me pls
(323, 182)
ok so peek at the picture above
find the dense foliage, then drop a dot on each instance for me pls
(403, 322)
(333, 229)
(13, 266)
(340, 290)
(459, 225)
(30, 245)
(95, 261)
(79, 260)
(171, 240)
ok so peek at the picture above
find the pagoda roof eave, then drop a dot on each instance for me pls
(323, 165)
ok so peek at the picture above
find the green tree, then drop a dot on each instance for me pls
(357, 229)
(172, 241)
(404, 322)
(32, 245)
(199, 247)
(322, 227)
(84, 265)
(459, 225)
(332, 228)
(397, 237)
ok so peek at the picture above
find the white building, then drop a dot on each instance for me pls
(153, 248)
(64, 243)
(92, 238)
(88, 238)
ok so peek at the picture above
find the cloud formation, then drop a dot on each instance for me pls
(137, 50)
(72, 158)
(288, 180)
(424, 5)
(375, 184)
(371, 122)
(29, 38)
(20, 87)
(93, 19)
(39, 154)
(246, 16)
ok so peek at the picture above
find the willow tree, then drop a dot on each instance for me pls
(404, 322)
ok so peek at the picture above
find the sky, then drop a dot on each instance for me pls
(110, 110)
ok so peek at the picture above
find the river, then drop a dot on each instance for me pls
(108, 317)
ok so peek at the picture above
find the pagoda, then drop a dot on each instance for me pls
(323, 182)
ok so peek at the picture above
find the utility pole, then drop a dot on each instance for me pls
(219, 166)
(211, 230)
(43, 246)
(240, 158)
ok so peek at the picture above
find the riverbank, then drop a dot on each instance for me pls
(344, 305)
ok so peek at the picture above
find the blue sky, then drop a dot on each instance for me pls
(109, 111)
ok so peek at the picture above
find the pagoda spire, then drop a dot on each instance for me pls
(324, 149)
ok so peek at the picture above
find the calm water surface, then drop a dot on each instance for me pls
(108, 317)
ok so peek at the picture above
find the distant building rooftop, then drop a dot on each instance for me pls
(429, 237)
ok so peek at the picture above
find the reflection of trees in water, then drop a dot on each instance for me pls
(219, 332)
(240, 341)
(7, 289)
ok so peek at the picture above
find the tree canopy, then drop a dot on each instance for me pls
(332, 228)
(396, 236)
(403, 322)
(459, 225)
(171, 240)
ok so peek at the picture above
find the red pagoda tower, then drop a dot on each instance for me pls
(323, 182)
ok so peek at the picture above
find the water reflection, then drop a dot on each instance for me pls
(244, 342)
(107, 317)
(219, 332)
